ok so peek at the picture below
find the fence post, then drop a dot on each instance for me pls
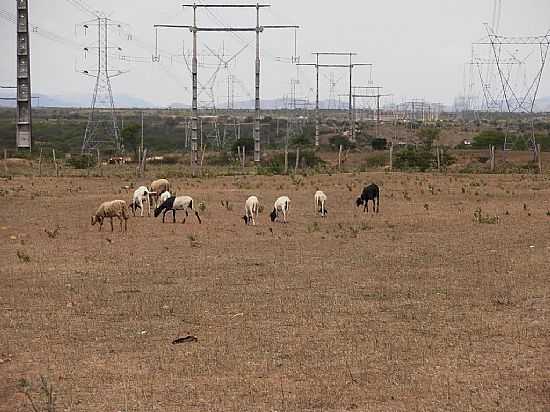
(297, 160)
(391, 157)
(40, 164)
(339, 157)
(55, 163)
(539, 155)
(438, 159)
(492, 157)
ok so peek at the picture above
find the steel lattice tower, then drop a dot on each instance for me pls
(102, 128)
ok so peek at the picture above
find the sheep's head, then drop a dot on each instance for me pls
(96, 219)
(273, 215)
(157, 211)
(245, 218)
(359, 201)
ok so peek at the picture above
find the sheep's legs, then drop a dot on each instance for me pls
(163, 215)
(198, 217)
(125, 225)
(174, 215)
(112, 229)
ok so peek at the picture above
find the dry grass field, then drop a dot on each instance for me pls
(420, 307)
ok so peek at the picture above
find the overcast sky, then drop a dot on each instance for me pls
(418, 48)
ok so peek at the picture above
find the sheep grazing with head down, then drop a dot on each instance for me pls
(177, 203)
(141, 195)
(251, 209)
(157, 188)
(114, 208)
(281, 206)
(370, 192)
(320, 203)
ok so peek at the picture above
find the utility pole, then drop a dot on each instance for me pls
(350, 66)
(24, 97)
(377, 96)
(257, 29)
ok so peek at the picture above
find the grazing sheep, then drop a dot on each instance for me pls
(281, 205)
(114, 208)
(174, 203)
(251, 209)
(370, 192)
(321, 203)
(140, 195)
(157, 188)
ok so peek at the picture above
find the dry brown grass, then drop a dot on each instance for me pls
(417, 308)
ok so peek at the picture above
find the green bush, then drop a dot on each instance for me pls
(379, 144)
(488, 137)
(421, 159)
(276, 165)
(336, 141)
(247, 142)
(81, 162)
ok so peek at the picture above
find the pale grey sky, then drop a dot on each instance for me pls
(419, 48)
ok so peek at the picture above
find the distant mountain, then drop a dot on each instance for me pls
(542, 104)
(76, 100)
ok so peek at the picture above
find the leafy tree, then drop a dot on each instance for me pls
(379, 144)
(336, 141)
(428, 135)
(130, 138)
(488, 137)
(247, 142)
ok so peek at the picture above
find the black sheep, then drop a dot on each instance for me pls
(370, 192)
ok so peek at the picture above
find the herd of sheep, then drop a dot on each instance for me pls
(163, 201)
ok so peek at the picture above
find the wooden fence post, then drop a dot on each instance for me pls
(143, 162)
(297, 160)
(339, 157)
(391, 157)
(202, 157)
(55, 163)
(539, 155)
(438, 158)
(492, 157)
(40, 163)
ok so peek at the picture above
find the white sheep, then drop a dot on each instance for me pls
(282, 205)
(177, 203)
(114, 208)
(251, 209)
(321, 203)
(141, 195)
(157, 188)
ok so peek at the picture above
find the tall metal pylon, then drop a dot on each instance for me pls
(102, 127)
(24, 99)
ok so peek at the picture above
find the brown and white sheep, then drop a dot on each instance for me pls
(114, 208)
(157, 188)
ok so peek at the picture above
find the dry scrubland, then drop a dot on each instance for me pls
(417, 308)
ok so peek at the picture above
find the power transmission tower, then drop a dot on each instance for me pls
(102, 127)
(24, 98)
(350, 66)
(194, 73)
(518, 99)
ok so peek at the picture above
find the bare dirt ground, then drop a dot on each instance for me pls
(417, 308)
